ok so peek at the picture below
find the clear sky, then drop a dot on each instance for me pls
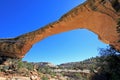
(22, 16)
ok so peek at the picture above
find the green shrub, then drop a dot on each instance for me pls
(109, 65)
(44, 78)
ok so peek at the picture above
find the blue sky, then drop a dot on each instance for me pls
(21, 16)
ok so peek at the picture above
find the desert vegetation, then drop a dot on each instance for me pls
(106, 66)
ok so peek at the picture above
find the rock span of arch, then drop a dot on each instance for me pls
(99, 16)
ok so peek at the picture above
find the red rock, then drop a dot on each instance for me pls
(99, 16)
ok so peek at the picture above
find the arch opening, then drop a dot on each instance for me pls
(71, 46)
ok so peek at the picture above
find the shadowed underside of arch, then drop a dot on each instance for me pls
(99, 16)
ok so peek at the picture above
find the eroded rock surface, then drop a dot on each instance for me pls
(99, 16)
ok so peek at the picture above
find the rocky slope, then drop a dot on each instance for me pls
(99, 16)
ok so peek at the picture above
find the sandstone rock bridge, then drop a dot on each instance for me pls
(99, 16)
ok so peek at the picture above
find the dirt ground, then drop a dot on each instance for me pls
(4, 76)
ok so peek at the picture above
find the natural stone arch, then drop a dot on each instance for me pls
(98, 16)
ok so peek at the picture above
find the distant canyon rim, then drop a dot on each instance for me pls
(99, 16)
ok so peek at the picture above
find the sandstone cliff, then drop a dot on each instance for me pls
(99, 16)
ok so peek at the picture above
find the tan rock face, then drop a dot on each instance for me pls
(99, 16)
